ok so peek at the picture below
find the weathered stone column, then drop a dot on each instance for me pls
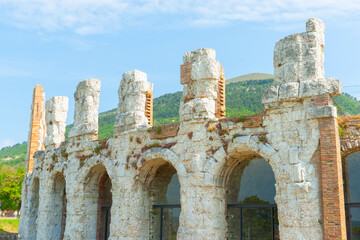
(294, 131)
(56, 113)
(86, 110)
(200, 75)
(203, 208)
(80, 146)
(135, 102)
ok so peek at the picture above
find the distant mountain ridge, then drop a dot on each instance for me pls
(250, 76)
(243, 97)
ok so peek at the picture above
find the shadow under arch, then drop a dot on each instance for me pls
(158, 172)
(351, 180)
(98, 201)
(30, 228)
(57, 220)
(250, 191)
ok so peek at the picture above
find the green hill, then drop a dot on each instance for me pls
(251, 76)
(243, 97)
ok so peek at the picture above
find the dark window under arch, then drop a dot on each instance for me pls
(252, 212)
(351, 177)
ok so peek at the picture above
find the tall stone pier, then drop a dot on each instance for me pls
(183, 180)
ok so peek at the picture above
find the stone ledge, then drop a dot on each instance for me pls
(166, 131)
(321, 112)
(250, 121)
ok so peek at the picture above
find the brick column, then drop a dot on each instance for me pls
(37, 126)
(334, 224)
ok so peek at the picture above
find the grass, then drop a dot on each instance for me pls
(9, 225)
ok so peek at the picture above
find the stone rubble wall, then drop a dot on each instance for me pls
(203, 149)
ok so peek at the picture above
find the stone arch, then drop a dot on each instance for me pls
(159, 172)
(244, 148)
(57, 200)
(98, 201)
(245, 153)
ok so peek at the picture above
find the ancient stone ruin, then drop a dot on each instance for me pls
(117, 188)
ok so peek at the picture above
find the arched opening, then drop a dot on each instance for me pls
(57, 219)
(164, 191)
(33, 200)
(351, 177)
(98, 201)
(251, 209)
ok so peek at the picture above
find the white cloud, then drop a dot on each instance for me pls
(6, 143)
(94, 16)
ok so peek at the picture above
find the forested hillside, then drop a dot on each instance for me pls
(242, 98)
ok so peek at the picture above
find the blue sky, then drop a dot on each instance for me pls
(59, 43)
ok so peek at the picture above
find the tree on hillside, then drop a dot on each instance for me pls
(10, 187)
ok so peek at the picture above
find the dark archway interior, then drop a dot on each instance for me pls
(165, 198)
(58, 201)
(351, 177)
(250, 199)
(104, 206)
(34, 207)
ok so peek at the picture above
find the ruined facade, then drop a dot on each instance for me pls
(84, 188)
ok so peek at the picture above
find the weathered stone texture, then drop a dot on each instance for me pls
(133, 92)
(296, 134)
(56, 113)
(86, 108)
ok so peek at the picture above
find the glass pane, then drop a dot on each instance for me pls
(170, 223)
(155, 223)
(355, 223)
(257, 224)
(353, 161)
(233, 224)
(173, 190)
(257, 183)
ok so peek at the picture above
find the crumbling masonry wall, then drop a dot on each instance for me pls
(296, 134)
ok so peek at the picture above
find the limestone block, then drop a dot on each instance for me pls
(298, 173)
(86, 108)
(266, 151)
(206, 69)
(321, 112)
(134, 75)
(293, 155)
(299, 57)
(288, 91)
(131, 112)
(56, 113)
(316, 25)
(270, 94)
(197, 108)
(320, 86)
(198, 55)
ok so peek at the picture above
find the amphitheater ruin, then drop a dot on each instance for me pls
(183, 180)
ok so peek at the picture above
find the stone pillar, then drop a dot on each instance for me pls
(37, 126)
(86, 110)
(135, 105)
(332, 187)
(56, 113)
(80, 145)
(203, 208)
(295, 129)
(200, 75)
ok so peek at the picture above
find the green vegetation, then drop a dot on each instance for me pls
(8, 225)
(10, 187)
(243, 97)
